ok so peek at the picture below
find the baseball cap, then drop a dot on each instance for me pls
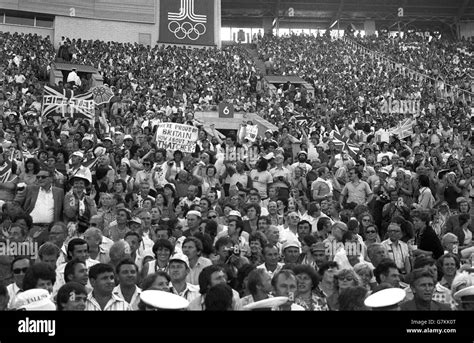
(290, 244)
(302, 152)
(136, 220)
(269, 131)
(384, 170)
(35, 299)
(100, 151)
(78, 154)
(180, 257)
(235, 213)
(128, 137)
(196, 213)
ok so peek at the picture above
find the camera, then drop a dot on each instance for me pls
(235, 250)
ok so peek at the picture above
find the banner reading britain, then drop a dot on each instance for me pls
(173, 136)
(187, 22)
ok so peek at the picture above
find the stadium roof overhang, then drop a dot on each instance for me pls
(321, 14)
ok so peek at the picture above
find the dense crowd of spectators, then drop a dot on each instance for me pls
(352, 211)
(437, 58)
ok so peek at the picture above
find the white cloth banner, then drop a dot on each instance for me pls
(251, 132)
(173, 136)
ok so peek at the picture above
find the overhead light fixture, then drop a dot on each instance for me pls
(335, 22)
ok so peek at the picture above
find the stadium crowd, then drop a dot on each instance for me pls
(355, 210)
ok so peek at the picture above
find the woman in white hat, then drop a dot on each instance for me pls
(78, 207)
(124, 172)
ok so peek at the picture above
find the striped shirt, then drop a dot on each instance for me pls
(115, 304)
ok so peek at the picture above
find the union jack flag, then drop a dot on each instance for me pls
(6, 168)
(342, 142)
(67, 104)
(404, 129)
(5, 172)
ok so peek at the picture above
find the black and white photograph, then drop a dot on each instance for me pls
(188, 156)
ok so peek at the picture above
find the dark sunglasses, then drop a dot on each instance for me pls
(19, 270)
(211, 217)
(370, 231)
(41, 177)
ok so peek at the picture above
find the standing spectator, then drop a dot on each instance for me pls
(44, 203)
(356, 191)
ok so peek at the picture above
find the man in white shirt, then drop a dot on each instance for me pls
(322, 188)
(271, 256)
(102, 297)
(397, 250)
(77, 248)
(74, 78)
(43, 202)
(127, 288)
(178, 271)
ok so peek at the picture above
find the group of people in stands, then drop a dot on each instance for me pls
(327, 210)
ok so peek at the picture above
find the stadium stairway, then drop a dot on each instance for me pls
(259, 64)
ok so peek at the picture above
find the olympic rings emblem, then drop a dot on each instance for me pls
(187, 30)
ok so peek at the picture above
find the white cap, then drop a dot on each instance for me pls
(384, 170)
(464, 292)
(290, 243)
(164, 300)
(78, 154)
(128, 137)
(125, 161)
(385, 298)
(136, 220)
(195, 213)
(88, 138)
(99, 151)
(266, 303)
(269, 156)
(180, 257)
(36, 299)
(235, 213)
